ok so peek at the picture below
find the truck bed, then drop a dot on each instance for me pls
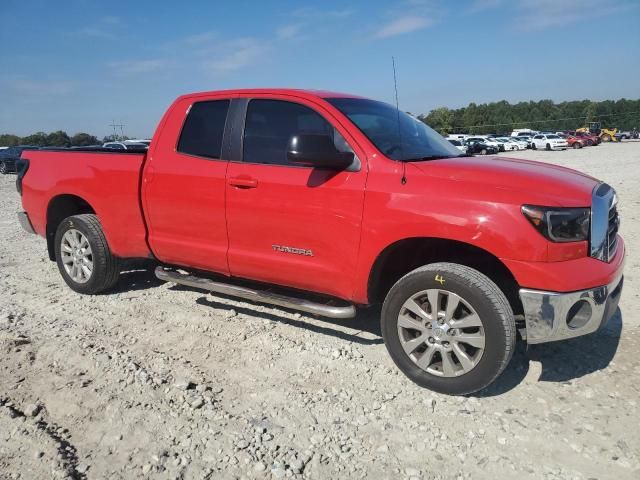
(109, 181)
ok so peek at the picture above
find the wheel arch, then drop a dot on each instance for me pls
(405, 255)
(60, 207)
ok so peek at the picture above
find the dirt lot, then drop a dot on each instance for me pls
(166, 382)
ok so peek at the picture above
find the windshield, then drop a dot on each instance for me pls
(413, 140)
(553, 136)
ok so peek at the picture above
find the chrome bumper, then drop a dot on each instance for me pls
(23, 218)
(551, 316)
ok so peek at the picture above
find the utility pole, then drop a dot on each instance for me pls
(115, 126)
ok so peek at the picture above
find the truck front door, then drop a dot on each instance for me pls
(183, 186)
(292, 225)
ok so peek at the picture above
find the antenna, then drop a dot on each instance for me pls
(403, 180)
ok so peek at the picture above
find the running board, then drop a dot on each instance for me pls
(259, 296)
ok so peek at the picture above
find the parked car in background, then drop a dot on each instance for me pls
(549, 142)
(623, 135)
(457, 136)
(125, 146)
(590, 138)
(521, 142)
(459, 145)
(524, 132)
(573, 141)
(9, 156)
(508, 144)
(482, 148)
(487, 141)
(146, 141)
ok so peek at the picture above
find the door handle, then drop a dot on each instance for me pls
(243, 182)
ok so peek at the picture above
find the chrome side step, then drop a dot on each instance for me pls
(259, 296)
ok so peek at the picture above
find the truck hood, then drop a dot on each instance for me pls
(558, 186)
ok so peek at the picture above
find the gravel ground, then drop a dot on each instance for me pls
(161, 381)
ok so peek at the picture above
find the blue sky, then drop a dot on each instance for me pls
(79, 64)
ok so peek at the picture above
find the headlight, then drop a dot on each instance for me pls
(559, 224)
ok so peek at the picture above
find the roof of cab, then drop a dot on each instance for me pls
(275, 91)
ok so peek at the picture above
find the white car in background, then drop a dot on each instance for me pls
(125, 146)
(458, 144)
(548, 142)
(508, 145)
(519, 143)
(487, 141)
(524, 132)
(136, 141)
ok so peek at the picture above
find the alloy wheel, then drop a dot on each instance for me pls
(441, 333)
(77, 256)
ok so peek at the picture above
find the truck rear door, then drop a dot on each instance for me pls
(183, 188)
(287, 224)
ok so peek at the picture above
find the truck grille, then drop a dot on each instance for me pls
(605, 222)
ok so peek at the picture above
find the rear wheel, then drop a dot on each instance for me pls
(448, 328)
(3, 168)
(533, 146)
(548, 147)
(483, 151)
(577, 145)
(589, 143)
(83, 255)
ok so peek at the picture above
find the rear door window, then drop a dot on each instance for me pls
(204, 128)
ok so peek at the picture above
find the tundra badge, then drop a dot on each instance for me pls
(294, 250)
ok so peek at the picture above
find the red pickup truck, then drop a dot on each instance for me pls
(321, 202)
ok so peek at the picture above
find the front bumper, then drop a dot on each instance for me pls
(551, 316)
(23, 218)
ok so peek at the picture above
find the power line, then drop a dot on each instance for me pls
(546, 121)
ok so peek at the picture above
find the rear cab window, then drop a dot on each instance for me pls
(203, 129)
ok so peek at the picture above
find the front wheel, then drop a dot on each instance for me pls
(533, 146)
(548, 147)
(577, 145)
(448, 328)
(483, 151)
(3, 168)
(83, 255)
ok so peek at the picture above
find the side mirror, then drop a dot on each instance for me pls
(317, 151)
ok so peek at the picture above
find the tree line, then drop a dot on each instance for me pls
(496, 117)
(503, 117)
(59, 138)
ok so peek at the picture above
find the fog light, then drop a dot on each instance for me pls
(579, 314)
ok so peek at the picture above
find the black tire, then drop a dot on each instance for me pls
(548, 147)
(589, 143)
(3, 168)
(491, 306)
(106, 267)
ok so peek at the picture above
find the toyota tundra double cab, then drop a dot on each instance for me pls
(323, 203)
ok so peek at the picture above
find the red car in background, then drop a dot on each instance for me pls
(589, 138)
(575, 142)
